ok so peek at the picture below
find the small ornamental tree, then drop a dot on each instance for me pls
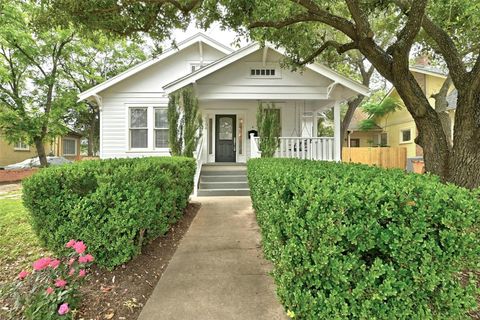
(185, 123)
(268, 123)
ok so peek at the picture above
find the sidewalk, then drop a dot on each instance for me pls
(218, 271)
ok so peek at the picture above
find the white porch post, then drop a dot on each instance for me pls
(337, 129)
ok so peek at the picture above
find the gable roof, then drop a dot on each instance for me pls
(144, 65)
(427, 69)
(251, 48)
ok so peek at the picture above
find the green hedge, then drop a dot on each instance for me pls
(357, 242)
(112, 205)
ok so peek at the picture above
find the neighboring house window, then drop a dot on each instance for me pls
(138, 127)
(355, 143)
(69, 147)
(161, 128)
(21, 146)
(383, 139)
(405, 135)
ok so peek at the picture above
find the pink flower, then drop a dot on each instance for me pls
(60, 283)
(41, 263)
(22, 275)
(70, 243)
(79, 247)
(63, 309)
(71, 272)
(54, 263)
(86, 258)
(82, 273)
(49, 290)
(71, 261)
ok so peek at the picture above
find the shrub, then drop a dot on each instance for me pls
(355, 242)
(51, 289)
(113, 205)
(268, 122)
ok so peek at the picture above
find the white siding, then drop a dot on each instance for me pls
(143, 89)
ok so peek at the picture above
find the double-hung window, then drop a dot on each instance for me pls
(138, 127)
(161, 128)
(21, 145)
(69, 147)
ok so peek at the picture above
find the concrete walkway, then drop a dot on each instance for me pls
(218, 271)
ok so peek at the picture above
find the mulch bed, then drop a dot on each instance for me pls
(121, 293)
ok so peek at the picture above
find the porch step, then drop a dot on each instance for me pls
(224, 185)
(223, 192)
(223, 180)
(208, 173)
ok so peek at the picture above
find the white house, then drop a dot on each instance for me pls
(229, 86)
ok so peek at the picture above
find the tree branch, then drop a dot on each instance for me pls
(341, 48)
(406, 36)
(322, 15)
(303, 17)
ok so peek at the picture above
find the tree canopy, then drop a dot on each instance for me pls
(310, 29)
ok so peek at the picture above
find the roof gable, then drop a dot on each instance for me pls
(200, 37)
(251, 48)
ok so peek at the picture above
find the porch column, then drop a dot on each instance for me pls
(337, 129)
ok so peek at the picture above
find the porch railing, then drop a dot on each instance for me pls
(320, 148)
(198, 157)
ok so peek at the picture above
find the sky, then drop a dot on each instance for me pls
(226, 37)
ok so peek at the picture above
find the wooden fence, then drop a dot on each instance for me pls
(382, 157)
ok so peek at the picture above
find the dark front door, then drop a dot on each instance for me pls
(225, 138)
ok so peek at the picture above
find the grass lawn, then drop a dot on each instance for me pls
(19, 246)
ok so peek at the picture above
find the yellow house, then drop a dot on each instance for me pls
(398, 129)
(67, 146)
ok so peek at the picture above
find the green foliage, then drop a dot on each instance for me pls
(388, 105)
(378, 110)
(185, 122)
(174, 130)
(192, 122)
(268, 123)
(350, 241)
(114, 206)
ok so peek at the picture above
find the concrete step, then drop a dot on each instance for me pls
(222, 192)
(223, 178)
(205, 173)
(223, 185)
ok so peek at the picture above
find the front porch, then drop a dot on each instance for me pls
(230, 132)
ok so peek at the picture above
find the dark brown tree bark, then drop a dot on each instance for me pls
(41, 151)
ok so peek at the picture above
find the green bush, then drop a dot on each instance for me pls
(356, 242)
(114, 206)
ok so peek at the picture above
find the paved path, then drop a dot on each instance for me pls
(218, 271)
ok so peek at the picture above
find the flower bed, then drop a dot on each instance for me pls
(114, 206)
(357, 242)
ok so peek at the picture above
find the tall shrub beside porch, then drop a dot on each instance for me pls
(357, 242)
(114, 206)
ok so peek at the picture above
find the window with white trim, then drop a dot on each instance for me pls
(138, 127)
(161, 128)
(405, 135)
(69, 147)
(21, 146)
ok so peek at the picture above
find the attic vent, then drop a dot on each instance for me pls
(262, 72)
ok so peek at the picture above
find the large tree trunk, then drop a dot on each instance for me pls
(41, 152)
(431, 136)
(465, 155)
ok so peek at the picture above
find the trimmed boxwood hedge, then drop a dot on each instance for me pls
(114, 206)
(355, 242)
